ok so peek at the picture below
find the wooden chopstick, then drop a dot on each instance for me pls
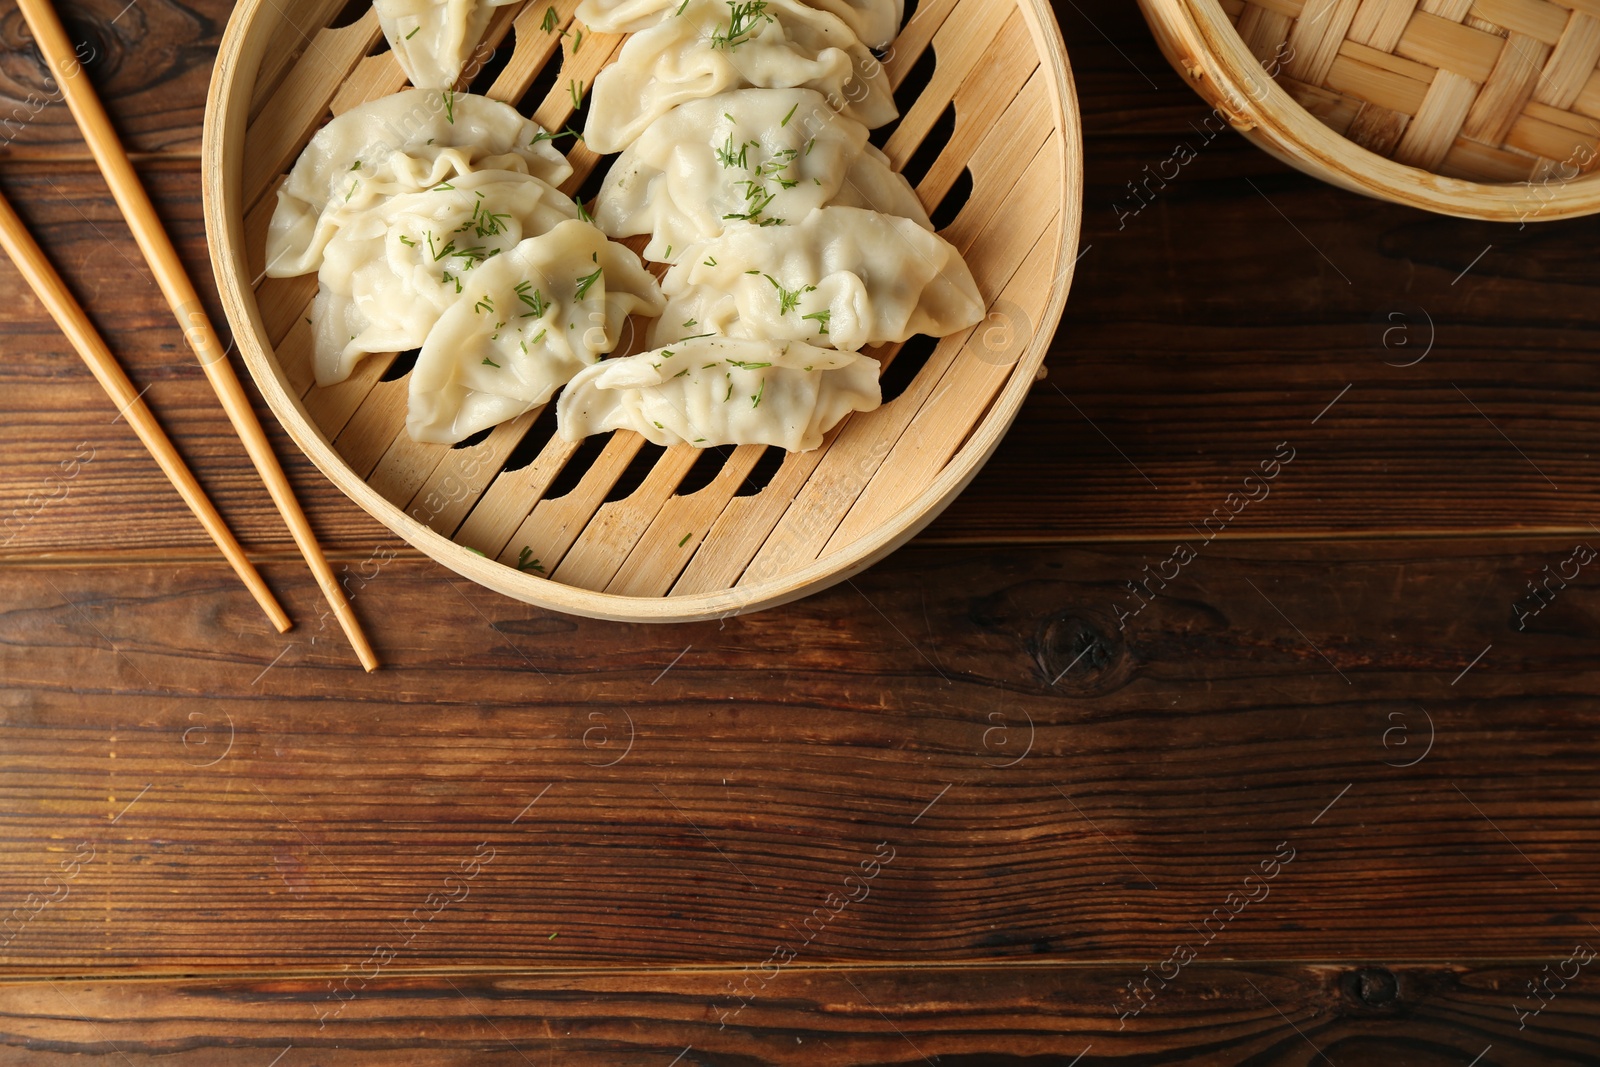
(58, 300)
(158, 251)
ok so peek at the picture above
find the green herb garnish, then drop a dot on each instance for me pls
(730, 156)
(743, 18)
(536, 302)
(788, 299)
(585, 282)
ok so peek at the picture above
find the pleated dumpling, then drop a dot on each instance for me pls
(389, 272)
(759, 155)
(401, 143)
(711, 46)
(722, 391)
(526, 322)
(874, 21)
(841, 277)
(432, 39)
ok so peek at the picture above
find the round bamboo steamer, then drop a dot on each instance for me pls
(1485, 109)
(651, 552)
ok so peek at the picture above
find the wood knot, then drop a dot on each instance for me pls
(1081, 654)
(1373, 987)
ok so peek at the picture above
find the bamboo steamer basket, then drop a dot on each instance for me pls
(620, 532)
(1485, 109)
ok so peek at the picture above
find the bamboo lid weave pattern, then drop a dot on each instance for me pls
(1485, 90)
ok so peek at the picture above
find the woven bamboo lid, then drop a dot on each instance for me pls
(1482, 108)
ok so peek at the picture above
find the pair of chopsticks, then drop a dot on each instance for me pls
(158, 251)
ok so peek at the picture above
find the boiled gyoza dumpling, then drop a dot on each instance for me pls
(431, 39)
(400, 143)
(389, 272)
(711, 46)
(874, 21)
(527, 321)
(760, 155)
(840, 277)
(722, 391)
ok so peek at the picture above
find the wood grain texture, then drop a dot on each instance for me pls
(1051, 785)
(151, 61)
(1276, 1016)
(1168, 761)
(1188, 378)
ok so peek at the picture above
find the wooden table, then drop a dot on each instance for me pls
(1330, 795)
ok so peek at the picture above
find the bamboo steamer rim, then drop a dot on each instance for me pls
(1203, 45)
(227, 108)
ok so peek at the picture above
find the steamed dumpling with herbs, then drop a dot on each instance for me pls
(389, 272)
(766, 156)
(401, 143)
(874, 21)
(841, 277)
(711, 46)
(721, 391)
(432, 39)
(525, 323)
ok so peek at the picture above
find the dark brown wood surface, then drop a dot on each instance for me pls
(1330, 797)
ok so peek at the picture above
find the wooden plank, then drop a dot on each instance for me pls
(663, 552)
(456, 484)
(614, 532)
(1182, 370)
(798, 1014)
(556, 524)
(1205, 731)
(512, 496)
(746, 523)
(1007, 75)
(958, 45)
(1173, 374)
